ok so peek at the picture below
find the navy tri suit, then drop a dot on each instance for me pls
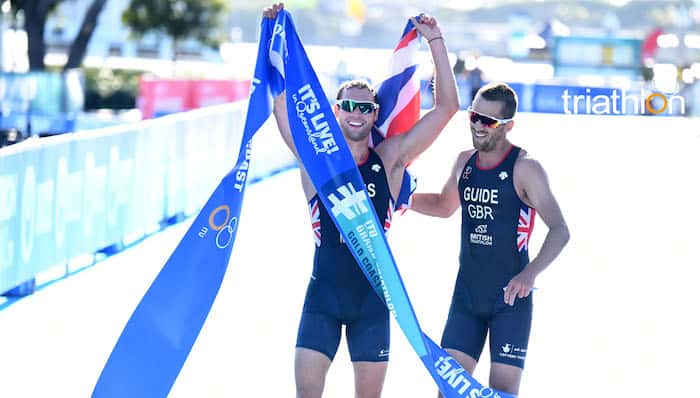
(338, 292)
(496, 228)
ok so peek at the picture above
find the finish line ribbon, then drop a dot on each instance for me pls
(329, 163)
(160, 333)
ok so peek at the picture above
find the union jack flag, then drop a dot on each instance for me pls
(526, 224)
(399, 102)
(399, 93)
(315, 220)
(389, 215)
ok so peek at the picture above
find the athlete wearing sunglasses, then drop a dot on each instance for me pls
(349, 105)
(486, 120)
(500, 190)
(489, 122)
(338, 293)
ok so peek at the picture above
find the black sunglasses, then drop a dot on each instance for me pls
(487, 121)
(349, 105)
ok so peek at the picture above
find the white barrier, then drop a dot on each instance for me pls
(75, 194)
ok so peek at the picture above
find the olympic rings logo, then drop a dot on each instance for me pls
(225, 230)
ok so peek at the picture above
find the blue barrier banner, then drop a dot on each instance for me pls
(605, 101)
(160, 333)
(44, 244)
(73, 194)
(565, 99)
(15, 222)
(326, 157)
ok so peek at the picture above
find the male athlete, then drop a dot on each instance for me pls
(500, 189)
(338, 292)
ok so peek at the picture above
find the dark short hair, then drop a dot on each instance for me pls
(499, 91)
(357, 84)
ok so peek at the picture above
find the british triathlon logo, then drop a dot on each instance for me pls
(348, 202)
(621, 102)
(480, 237)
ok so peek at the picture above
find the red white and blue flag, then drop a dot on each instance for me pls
(399, 93)
(399, 102)
(389, 217)
(315, 220)
(526, 224)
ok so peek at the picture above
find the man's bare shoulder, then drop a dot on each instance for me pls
(464, 157)
(527, 165)
(388, 153)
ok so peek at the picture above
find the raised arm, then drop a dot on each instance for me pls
(407, 147)
(533, 184)
(280, 105)
(280, 112)
(445, 203)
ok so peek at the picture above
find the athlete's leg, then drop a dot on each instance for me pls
(505, 378)
(368, 343)
(465, 334)
(317, 343)
(369, 378)
(467, 361)
(310, 369)
(509, 332)
(317, 340)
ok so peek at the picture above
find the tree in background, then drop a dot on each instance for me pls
(179, 19)
(36, 13)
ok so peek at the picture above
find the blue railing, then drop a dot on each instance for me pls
(75, 194)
